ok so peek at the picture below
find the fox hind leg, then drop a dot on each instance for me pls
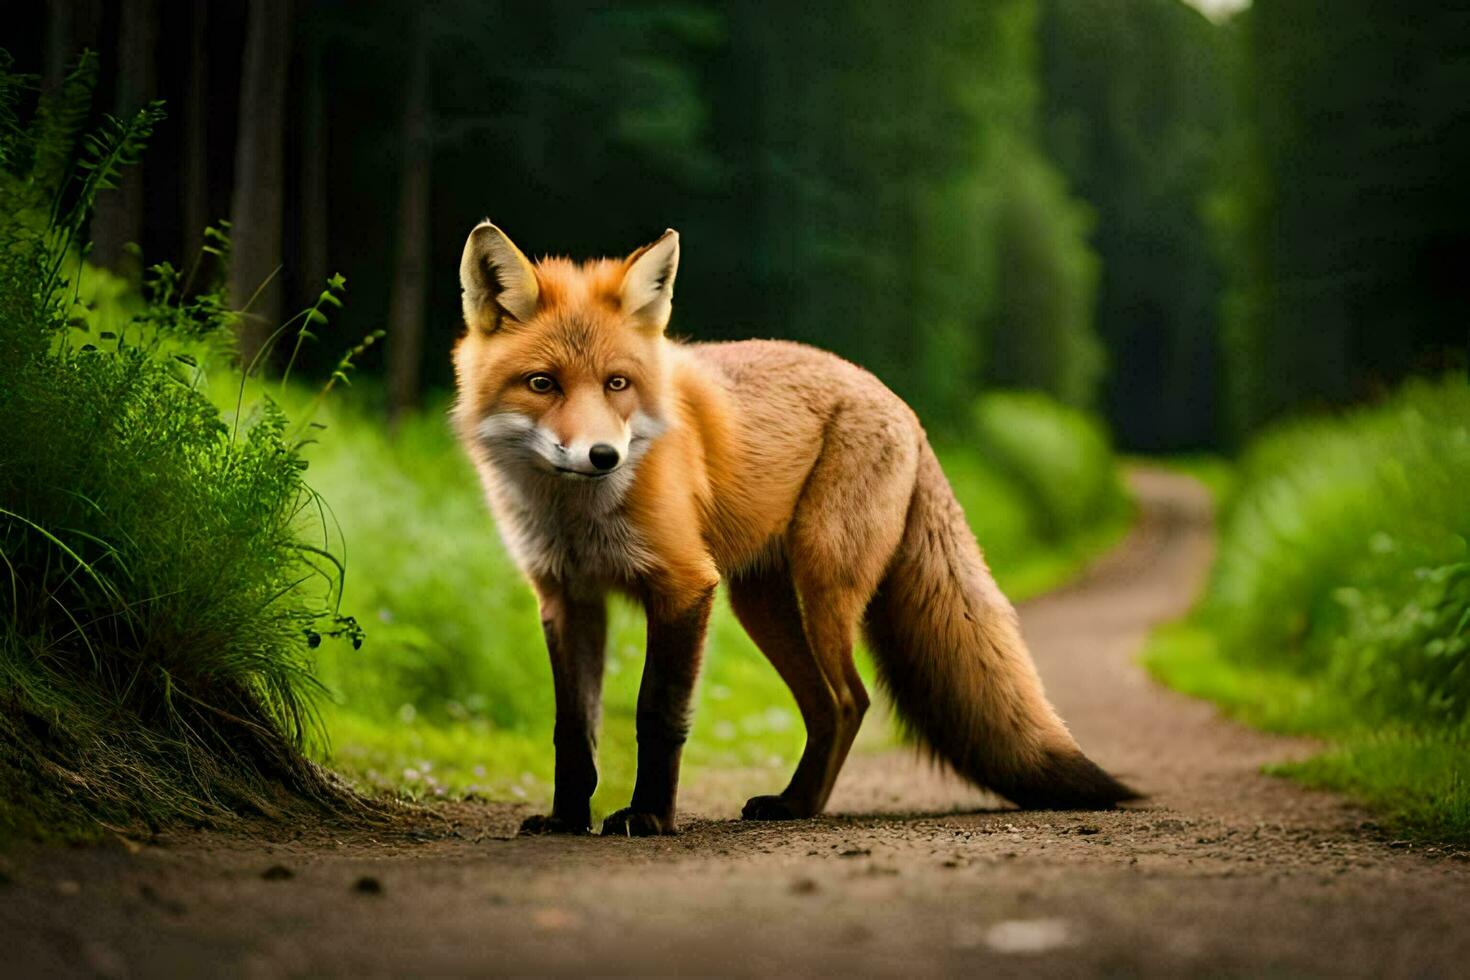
(845, 530)
(765, 603)
(831, 621)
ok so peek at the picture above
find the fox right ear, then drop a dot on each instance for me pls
(496, 279)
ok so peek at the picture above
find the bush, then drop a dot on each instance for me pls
(1042, 335)
(1344, 553)
(1059, 457)
(160, 592)
(1339, 604)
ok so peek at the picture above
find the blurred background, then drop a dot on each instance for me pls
(1190, 221)
(1059, 228)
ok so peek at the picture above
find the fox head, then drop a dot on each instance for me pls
(561, 368)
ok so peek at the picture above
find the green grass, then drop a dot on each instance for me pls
(1416, 778)
(452, 693)
(1339, 604)
(1188, 657)
(161, 571)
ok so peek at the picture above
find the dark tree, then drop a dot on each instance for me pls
(256, 211)
(118, 220)
(194, 156)
(1345, 205)
(71, 27)
(406, 309)
(1136, 108)
(315, 161)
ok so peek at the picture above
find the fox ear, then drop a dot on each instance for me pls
(648, 281)
(496, 278)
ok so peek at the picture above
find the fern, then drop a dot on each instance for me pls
(116, 145)
(12, 87)
(60, 114)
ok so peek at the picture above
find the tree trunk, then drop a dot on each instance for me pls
(71, 26)
(118, 220)
(410, 276)
(60, 18)
(194, 162)
(314, 162)
(256, 207)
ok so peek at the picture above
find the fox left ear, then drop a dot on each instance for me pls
(497, 280)
(648, 281)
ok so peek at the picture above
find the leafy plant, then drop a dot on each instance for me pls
(162, 568)
(1345, 550)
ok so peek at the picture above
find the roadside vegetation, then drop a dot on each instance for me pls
(1339, 605)
(164, 573)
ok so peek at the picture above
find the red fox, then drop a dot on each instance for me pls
(614, 458)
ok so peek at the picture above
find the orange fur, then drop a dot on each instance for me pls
(792, 475)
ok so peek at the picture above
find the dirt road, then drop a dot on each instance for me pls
(1221, 871)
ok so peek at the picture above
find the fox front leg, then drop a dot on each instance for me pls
(576, 637)
(675, 641)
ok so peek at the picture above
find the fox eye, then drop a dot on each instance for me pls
(617, 383)
(541, 384)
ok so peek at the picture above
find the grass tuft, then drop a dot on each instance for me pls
(162, 568)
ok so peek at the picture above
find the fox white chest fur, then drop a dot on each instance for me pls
(572, 533)
(568, 527)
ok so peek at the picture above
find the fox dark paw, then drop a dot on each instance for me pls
(629, 822)
(551, 824)
(770, 808)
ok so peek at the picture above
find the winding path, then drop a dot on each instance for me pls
(1222, 870)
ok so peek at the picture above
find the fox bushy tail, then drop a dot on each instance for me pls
(950, 653)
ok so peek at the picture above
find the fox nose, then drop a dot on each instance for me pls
(603, 456)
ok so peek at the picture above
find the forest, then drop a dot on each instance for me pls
(1072, 234)
(1119, 202)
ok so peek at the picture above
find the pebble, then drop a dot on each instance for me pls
(368, 885)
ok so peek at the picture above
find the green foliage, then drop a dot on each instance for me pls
(453, 691)
(158, 586)
(1419, 780)
(1340, 599)
(1042, 337)
(1059, 457)
(1415, 776)
(880, 194)
(1345, 552)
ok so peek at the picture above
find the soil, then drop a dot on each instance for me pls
(1222, 870)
